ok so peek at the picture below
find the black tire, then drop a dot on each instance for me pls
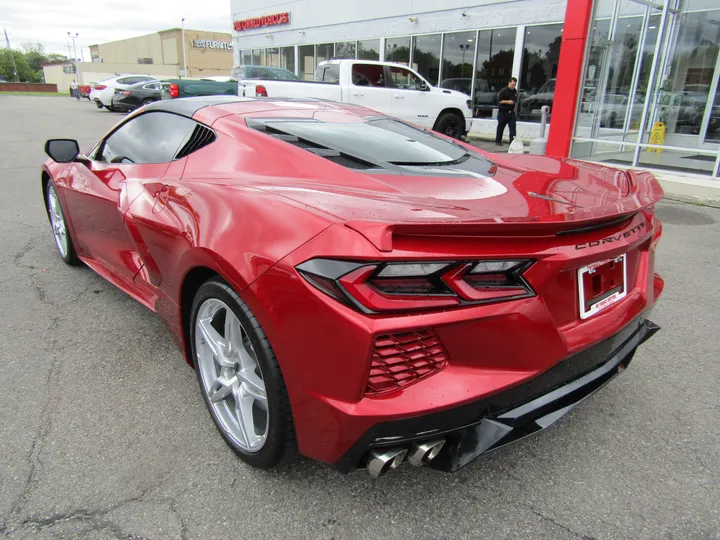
(146, 102)
(450, 124)
(110, 108)
(70, 256)
(281, 443)
(99, 104)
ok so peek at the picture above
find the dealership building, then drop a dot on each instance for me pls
(628, 82)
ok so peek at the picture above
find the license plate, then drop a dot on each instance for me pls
(601, 284)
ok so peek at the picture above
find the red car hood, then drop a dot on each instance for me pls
(525, 190)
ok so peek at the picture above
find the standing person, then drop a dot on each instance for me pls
(507, 100)
(74, 88)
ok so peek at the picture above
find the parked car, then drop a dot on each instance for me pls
(535, 101)
(84, 90)
(358, 288)
(137, 95)
(242, 73)
(181, 88)
(386, 87)
(104, 90)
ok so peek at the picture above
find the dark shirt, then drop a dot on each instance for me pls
(506, 94)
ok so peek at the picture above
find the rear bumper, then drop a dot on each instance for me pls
(485, 425)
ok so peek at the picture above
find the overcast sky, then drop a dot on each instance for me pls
(99, 21)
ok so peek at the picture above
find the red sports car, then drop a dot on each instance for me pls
(355, 288)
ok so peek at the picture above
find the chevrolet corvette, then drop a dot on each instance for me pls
(358, 290)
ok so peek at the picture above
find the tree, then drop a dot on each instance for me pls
(24, 74)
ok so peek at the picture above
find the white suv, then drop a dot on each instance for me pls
(103, 91)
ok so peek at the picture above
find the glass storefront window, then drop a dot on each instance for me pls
(245, 57)
(683, 95)
(325, 51)
(368, 49)
(345, 49)
(398, 50)
(493, 68)
(306, 62)
(282, 57)
(539, 69)
(656, 71)
(258, 57)
(426, 57)
(457, 61)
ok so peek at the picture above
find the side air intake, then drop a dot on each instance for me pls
(200, 137)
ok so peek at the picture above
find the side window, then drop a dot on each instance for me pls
(153, 137)
(258, 73)
(283, 75)
(404, 78)
(368, 75)
(127, 80)
(328, 74)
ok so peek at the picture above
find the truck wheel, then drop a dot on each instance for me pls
(450, 124)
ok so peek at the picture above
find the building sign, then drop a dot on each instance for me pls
(69, 68)
(209, 44)
(260, 22)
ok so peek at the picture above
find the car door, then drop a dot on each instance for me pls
(97, 198)
(368, 87)
(411, 99)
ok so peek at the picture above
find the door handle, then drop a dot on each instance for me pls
(399, 97)
(358, 94)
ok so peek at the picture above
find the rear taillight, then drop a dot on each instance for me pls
(374, 287)
(261, 91)
(100, 87)
(174, 90)
(124, 93)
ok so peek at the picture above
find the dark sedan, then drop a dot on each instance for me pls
(137, 95)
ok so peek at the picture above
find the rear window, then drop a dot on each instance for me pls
(328, 74)
(378, 139)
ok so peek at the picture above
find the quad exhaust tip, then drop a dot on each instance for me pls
(421, 453)
(382, 460)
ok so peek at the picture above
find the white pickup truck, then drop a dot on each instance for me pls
(389, 88)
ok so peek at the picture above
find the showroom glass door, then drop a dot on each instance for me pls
(650, 90)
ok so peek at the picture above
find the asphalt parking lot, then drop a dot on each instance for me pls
(103, 432)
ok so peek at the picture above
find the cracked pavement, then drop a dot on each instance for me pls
(103, 433)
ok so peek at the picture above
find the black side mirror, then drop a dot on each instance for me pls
(424, 87)
(62, 150)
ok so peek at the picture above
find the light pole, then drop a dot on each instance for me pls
(182, 32)
(75, 62)
(12, 56)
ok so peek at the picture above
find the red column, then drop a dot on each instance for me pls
(568, 84)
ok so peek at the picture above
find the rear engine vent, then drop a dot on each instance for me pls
(341, 158)
(201, 136)
(400, 360)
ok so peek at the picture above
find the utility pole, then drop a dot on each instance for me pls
(7, 40)
(182, 26)
(75, 60)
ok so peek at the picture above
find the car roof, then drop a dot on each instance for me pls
(245, 105)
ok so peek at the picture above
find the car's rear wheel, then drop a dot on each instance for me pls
(60, 231)
(99, 104)
(239, 377)
(146, 102)
(450, 124)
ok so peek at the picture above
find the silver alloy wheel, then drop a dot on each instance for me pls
(57, 221)
(230, 375)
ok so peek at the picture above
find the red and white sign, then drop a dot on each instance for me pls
(260, 22)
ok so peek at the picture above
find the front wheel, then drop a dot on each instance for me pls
(60, 231)
(239, 377)
(450, 124)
